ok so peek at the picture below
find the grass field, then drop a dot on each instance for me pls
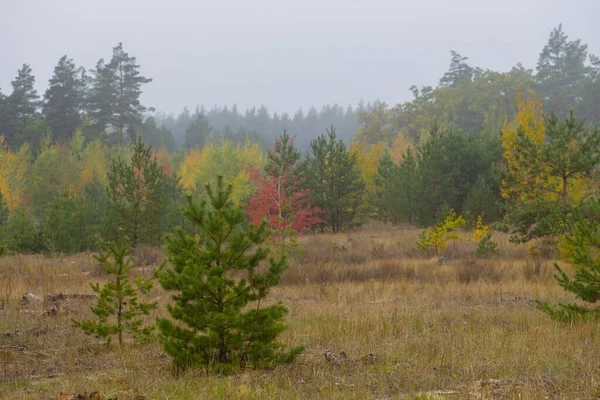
(410, 329)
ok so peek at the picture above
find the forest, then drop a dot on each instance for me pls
(87, 157)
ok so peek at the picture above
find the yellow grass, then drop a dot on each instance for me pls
(462, 330)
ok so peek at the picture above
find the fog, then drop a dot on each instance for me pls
(284, 54)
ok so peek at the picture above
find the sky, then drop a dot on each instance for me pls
(285, 54)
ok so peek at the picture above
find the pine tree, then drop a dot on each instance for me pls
(24, 96)
(590, 104)
(561, 72)
(21, 232)
(63, 100)
(7, 120)
(404, 190)
(433, 175)
(382, 201)
(156, 136)
(101, 219)
(220, 317)
(581, 250)
(481, 200)
(64, 229)
(279, 196)
(334, 179)
(346, 185)
(21, 106)
(118, 310)
(284, 157)
(115, 96)
(459, 71)
(198, 131)
(315, 170)
(102, 97)
(138, 195)
(568, 152)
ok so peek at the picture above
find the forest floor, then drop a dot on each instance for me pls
(408, 328)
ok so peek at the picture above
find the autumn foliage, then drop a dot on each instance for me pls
(279, 197)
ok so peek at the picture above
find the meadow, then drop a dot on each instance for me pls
(378, 320)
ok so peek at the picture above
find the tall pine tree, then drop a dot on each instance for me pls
(382, 201)
(334, 179)
(63, 100)
(115, 96)
(22, 106)
(198, 131)
(404, 190)
(561, 72)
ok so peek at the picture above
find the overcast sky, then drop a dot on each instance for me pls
(285, 54)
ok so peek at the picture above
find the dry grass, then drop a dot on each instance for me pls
(463, 330)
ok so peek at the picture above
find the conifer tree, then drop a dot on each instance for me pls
(382, 201)
(21, 107)
(459, 71)
(404, 190)
(582, 249)
(334, 179)
(137, 193)
(284, 158)
(63, 100)
(567, 152)
(279, 197)
(433, 176)
(218, 314)
(561, 72)
(198, 131)
(481, 200)
(25, 97)
(118, 310)
(315, 170)
(21, 232)
(64, 228)
(115, 96)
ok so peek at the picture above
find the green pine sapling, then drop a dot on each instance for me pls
(221, 279)
(582, 249)
(119, 310)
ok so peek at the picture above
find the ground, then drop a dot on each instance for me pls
(378, 322)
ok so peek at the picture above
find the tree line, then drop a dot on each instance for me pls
(104, 102)
(499, 146)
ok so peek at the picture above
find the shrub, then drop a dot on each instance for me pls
(435, 239)
(486, 246)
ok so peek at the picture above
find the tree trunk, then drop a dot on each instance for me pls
(565, 197)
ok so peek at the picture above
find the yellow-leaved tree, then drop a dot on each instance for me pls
(227, 159)
(434, 240)
(14, 166)
(548, 170)
(368, 157)
(528, 121)
(95, 162)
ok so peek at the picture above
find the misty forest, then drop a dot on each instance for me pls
(449, 242)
